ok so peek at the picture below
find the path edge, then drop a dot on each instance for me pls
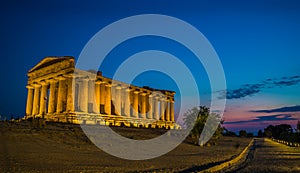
(235, 161)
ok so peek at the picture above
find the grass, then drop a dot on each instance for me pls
(64, 147)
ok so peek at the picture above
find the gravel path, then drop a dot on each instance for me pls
(270, 156)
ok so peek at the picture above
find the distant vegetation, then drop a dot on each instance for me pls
(282, 132)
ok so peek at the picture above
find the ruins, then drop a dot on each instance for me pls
(59, 92)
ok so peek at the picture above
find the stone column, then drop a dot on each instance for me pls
(29, 103)
(97, 95)
(167, 112)
(36, 99)
(122, 100)
(150, 108)
(61, 95)
(117, 99)
(127, 102)
(43, 98)
(102, 98)
(52, 99)
(108, 99)
(92, 105)
(135, 107)
(172, 110)
(83, 91)
(155, 108)
(70, 95)
(162, 108)
(143, 105)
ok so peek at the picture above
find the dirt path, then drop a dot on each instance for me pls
(269, 156)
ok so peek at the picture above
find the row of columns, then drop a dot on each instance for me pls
(106, 98)
(55, 96)
(50, 96)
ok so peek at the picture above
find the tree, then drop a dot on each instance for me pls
(230, 133)
(243, 133)
(298, 126)
(195, 120)
(282, 131)
(250, 135)
(269, 131)
(260, 133)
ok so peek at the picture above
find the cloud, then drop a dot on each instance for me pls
(251, 89)
(282, 109)
(277, 117)
(245, 90)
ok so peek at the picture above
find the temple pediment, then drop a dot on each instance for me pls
(49, 61)
(51, 67)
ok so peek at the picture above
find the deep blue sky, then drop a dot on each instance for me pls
(255, 40)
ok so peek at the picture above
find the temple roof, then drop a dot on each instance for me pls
(48, 61)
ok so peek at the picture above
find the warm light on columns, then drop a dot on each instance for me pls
(30, 90)
(83, 91)
(51, 104)
(117, 100)
(70, 100)
(162, 108)
(150, 109)
(97, 95)
(143, 105)
(108, 99)
(61, 95)
(172, 110)
(127, 102)
(102, 97)
(167, 110)
(36, 99)
(155, 108)
(92, 105)
(43, 98)
(135, 110)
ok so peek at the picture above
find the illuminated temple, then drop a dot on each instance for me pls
(59, 92)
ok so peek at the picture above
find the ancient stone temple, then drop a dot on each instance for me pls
(58, 92)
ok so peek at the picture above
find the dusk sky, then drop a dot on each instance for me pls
(258, 43)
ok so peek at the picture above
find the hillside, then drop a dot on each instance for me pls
(64, 147)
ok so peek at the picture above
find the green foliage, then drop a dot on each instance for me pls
(190, 118)
(230, 133)
(282, 131)
(243, 133)
(195, 121)
(260, 133)
(269, 131)
(250, 135)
